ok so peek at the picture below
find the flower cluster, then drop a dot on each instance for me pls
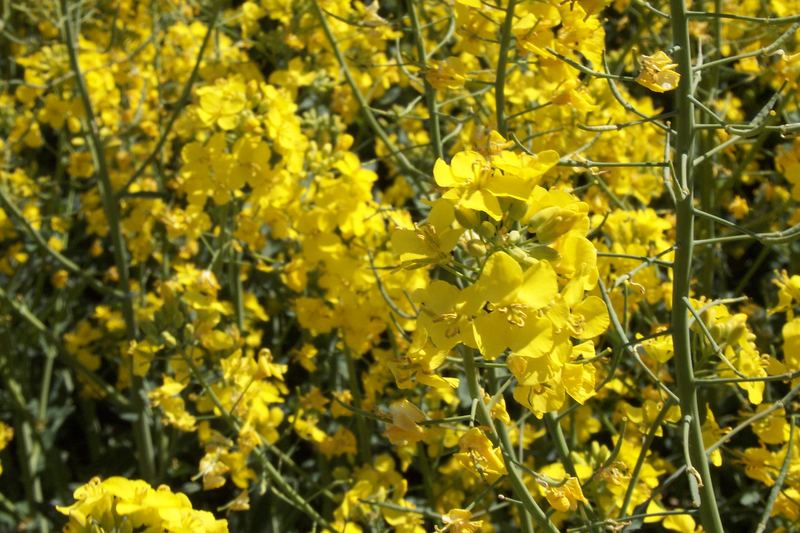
(374, 265)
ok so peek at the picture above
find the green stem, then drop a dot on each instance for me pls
(629, 346)
(557, 436)
(293, 497)
(682, 269)
(28, 450)
(637, 468)
(22, 310)
(373, 123)
(502, 60)
(779, 481)
(144, 445)
(514, 471)
(362, 435)
(430, 92)
(562, 449)
(427, 474)
(761, 52)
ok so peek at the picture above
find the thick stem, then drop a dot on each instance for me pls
(682, 268)
(502, 60)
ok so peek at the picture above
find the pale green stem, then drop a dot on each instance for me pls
(637, 468)
(682, 269)
(761, 52)
(502, 61)
(28, 450)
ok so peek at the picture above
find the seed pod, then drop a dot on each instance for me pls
(487, 230)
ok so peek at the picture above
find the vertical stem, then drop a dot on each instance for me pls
(562, 449)
(427, 474)
(637, 467)
(362, 435)
(5, 42)
(502, 60)
(415, 174)
(710, 84)
(29, 453)
(234, 274)
(682, 267)
(28, 450)
(430, 92)
(514, 472)
(144, 444)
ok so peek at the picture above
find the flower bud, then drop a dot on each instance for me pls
(519, 254)
(516, 209)
(487, 230)
(476, 248)
(468, 218)
(543, 253)
(556, 223)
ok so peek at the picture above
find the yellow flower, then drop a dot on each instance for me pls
(659, 348)
(738, 207)
(403, 429)
(579, 380)
(674, 522)
(542, 397)
(515, 298)
(59, 278)
(6, 434)
(565, 497)
(460, 521)
(467, 177)
(222, 104)
(106, 504)
(773, 429)
(447, 74)
(173, 408)
(446, 314)
(657, 72)
(430, 242)
(477, 453)
(475, 183)
(788, 295)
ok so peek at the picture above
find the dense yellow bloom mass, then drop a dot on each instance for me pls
(120, 504)
(413, 266)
